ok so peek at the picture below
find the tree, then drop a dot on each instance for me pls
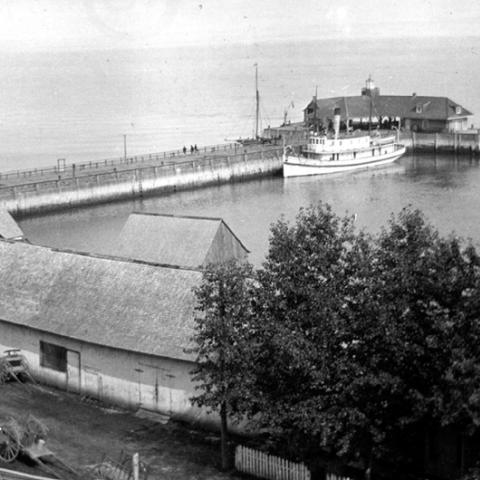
(347, 344)
(365, 340)
(302, 285)
(222, 336)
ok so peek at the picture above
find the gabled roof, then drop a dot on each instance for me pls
(170, 239)
(9, 228)
(106, 301)
(412, 106)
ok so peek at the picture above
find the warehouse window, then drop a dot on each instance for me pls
(53, 356)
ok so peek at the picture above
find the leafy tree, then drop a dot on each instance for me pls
(222, 336)
(301, 300)
(347, 343)
(358, 333)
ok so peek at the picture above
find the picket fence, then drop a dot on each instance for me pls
(333, 476)
(260, 464)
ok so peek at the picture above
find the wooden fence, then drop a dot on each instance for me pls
(267, 466)
(334, 476)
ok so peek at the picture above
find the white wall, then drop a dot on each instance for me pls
(114, 376)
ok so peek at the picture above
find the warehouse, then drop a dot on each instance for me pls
(110, 328)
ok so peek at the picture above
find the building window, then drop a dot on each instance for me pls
(458, 110)
(53, 356)
(419, 108)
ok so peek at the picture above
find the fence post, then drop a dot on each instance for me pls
(136, 467)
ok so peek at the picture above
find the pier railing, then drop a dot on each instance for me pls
(120, 161)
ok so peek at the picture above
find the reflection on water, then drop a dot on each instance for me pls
(444, 187)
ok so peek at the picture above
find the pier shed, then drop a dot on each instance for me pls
(108, 328)
(187, 241)
(410, 112)
(9, 228)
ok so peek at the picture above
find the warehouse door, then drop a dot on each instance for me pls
(73, 371)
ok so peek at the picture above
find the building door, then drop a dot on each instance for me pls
(92, 383)
(73, 371)
(156, 389)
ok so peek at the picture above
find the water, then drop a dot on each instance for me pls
(444, 188)
(78, 106)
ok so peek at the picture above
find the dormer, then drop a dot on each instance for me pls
(419, 108)
(458, 110)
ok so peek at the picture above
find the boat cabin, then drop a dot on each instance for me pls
(325, 144)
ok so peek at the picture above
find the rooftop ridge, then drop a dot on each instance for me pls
(172, 215)
(103, 256)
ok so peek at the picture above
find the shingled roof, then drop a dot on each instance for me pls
(9, 228)
(412, 106)
(190, 242)
(107, 301)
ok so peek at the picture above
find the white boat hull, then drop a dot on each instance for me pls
(295, 166)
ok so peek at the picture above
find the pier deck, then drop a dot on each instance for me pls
(98, 167)
(66, 186)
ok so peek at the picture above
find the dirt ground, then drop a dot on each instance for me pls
(81, 433)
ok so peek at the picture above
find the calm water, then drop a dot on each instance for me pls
(78, 105)
(445, 188)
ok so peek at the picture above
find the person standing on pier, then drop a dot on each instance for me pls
(184, 150)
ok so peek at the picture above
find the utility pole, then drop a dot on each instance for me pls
(125, 147)
(257, 98)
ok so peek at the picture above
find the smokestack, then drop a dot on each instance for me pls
(336, 121)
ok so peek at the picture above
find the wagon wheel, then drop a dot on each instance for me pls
(9, 442)
(33, 431)
(4, 371)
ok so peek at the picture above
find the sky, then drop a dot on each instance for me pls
(33, 25)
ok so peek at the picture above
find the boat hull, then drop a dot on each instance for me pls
(294, 166)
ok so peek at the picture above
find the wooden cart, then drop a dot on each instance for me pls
(26, 435)
(13, 366)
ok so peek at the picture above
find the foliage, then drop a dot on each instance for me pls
(351, 344)
(366, 339)
(222, 335)
(223, 338)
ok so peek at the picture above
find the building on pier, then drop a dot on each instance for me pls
(409, 112)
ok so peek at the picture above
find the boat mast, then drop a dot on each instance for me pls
(369, 89)
(257, 97)
(370, 116)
